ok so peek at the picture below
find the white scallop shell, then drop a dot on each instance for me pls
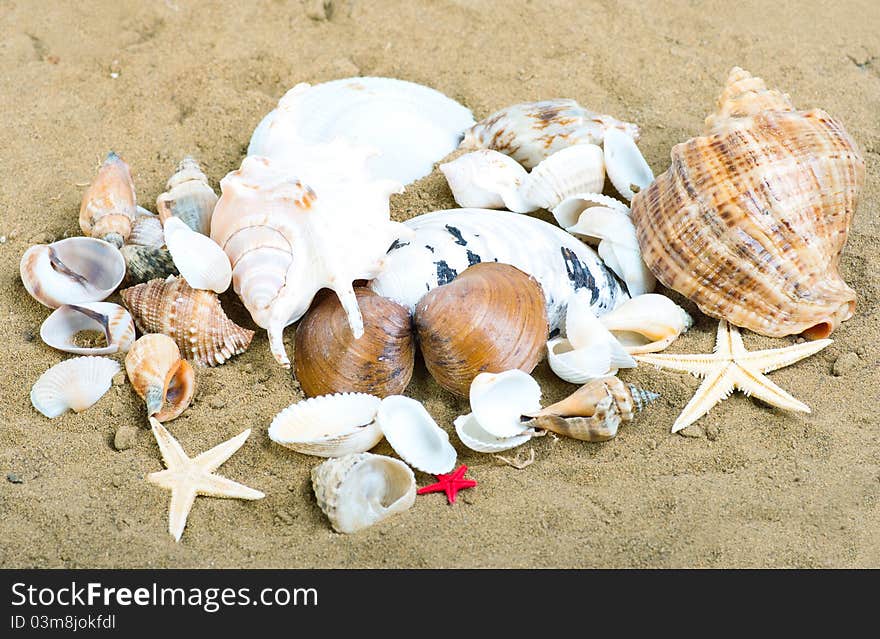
(359, 490)
(200, 260)
(72, 271)
(625, 165)
(647, 323)
(73, 384)
(411, 126)
(329, 425)
(576, 169)
(479, 439)
(588, 350)
(146, 230)
(498, 400)
(486, 179)
(415, 436)
(59, 329)
(569, 210)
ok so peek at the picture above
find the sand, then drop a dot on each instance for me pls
(752, 486)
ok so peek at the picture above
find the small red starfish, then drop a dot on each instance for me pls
(450, 484)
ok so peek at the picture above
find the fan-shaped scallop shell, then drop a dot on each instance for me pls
(73, 384)
(108, 206)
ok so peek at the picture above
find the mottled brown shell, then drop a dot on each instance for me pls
(489, 319)
(750, 219)
(193, 318)
(328, 359)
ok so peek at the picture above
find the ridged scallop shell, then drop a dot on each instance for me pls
(533, 131)
(329, 425)
(71, 271)
(198, 258)
(147, 230)
(625, 165)
(498, 400)
(568, 211)
(145, 263)
(188, 197)
(164, 381)
(647, 323)
(73, 384)
(193, 318)
(750, 219)
(108, 207)
(386, 115)
(359, 490)
(65, 322)
(286, 242)
(415, 436)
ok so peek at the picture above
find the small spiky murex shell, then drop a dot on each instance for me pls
(750, 219)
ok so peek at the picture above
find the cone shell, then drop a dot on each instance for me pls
(108, 207)
(357, 491)
(73, 384)
(145, 263)
(750, 219)
(328, 359)
(189, 197)
(158, 375)
(193, 318)
(491, 318)
(65, 322)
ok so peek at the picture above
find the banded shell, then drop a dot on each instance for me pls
(625, 165)
(73, 384)
(647, 323)
(145, 263)
(329, 425)
(164, 381)
(415, 436)
(60, 329)
(188, 197)
(197, 257)
(71, 271)
(328, 359)
(108, 207)
(147, 230)
(193, 318)
(381, 113)
(359, 490)
(750, 219)
(533, 131)
(490, 318)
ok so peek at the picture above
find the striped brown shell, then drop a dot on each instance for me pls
(750, 219)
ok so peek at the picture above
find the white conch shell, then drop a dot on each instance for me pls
(588, 350)
(286, 242)
(359, 490)
(189, 197)
(146, 230)
(498, 400)
(72, 271)
(490, 179)
(625, 165)
(569, 210)
(198, 258)
(647, 323)
(479, 439)
(329, 425)
(73, 384)
(445, 243)
(415, 436)
(618, 246)
(59, 329)
(411, 126)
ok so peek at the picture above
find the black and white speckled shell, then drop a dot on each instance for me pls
(448, 242)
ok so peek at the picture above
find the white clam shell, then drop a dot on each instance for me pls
(59, 329)
(72, 271)
(198, 258)
(569, 210)
(415, 436)
(329, 425)
(647, 323)
(73, 384)
(359, 490)
(625, 165)
(411, 126)
(146, 230)
(479, 439)
(498, 400)
(486, 179)
(576, 169)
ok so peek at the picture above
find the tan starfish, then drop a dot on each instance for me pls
(731, 367)
(186, 478)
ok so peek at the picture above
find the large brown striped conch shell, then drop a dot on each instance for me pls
(108, 207)
(159, 376)
(750, 219)
(193, 318)
(188, 196)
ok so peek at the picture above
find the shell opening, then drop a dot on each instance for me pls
(179, 389)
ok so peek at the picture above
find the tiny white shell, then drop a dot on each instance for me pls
(498, 400)
(73, 384)
(146, 230)
(571, 208)
(647, 323)
(486, 179)
(59, 329)
(329, 425)
(477, 438)
(575, 169)
(200, 260)
(415, 436)
(625, 165)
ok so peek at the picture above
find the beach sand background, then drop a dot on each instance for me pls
(751, 486)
